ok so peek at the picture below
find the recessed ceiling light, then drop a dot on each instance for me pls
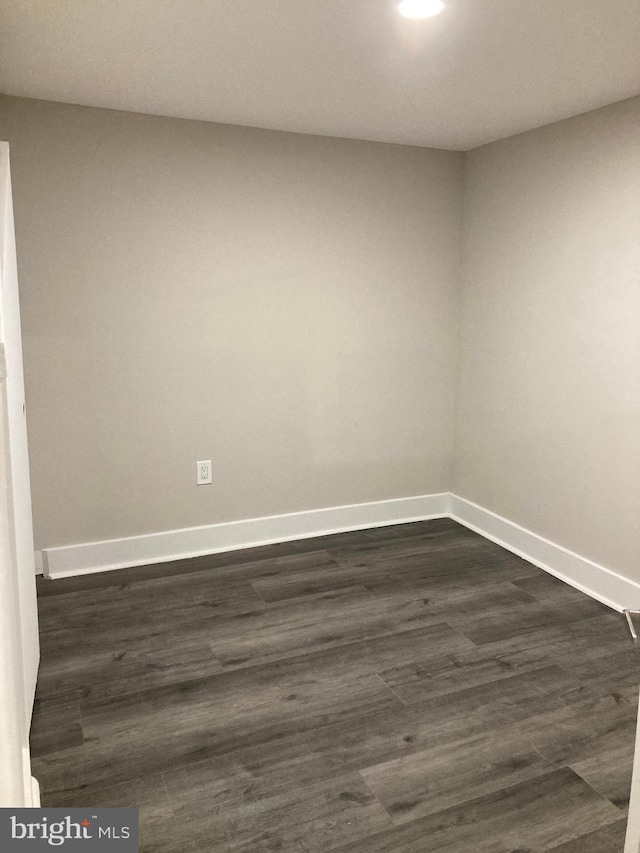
(420, 8)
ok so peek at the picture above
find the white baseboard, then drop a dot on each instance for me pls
(71, 560)
(35, 793)
(39, 563)
(595, 580)
(591, 578)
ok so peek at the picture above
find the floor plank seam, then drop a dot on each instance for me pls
(166, 789)
(595, 788)
(403, 703)
(462, 634)
(374, 795)
(584, 684)
(84, 739)
(252, 585)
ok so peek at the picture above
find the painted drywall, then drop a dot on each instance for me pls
(548, 408)
(283, 305)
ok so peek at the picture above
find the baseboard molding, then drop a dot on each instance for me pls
(35, 793)
(595, 580)
(91, 557)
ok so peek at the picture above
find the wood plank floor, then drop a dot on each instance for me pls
(407, 689)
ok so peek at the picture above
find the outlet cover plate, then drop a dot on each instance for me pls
(203, 472)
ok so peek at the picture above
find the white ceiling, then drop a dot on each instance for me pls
(482, 70)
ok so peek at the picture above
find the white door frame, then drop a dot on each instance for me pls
(632, 841)
(19, 647)
(15, 775)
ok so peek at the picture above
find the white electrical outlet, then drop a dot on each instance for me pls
(203, 472)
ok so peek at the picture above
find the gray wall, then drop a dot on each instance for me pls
(549, 383)
(283, 305)
(288, 307)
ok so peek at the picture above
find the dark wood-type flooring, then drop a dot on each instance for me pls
(400, 690)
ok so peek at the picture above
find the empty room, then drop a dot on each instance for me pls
(320, 391)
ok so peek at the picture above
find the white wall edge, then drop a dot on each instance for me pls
(72, 560)
(595, 580)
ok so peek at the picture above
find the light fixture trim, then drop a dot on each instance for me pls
(420, 8)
